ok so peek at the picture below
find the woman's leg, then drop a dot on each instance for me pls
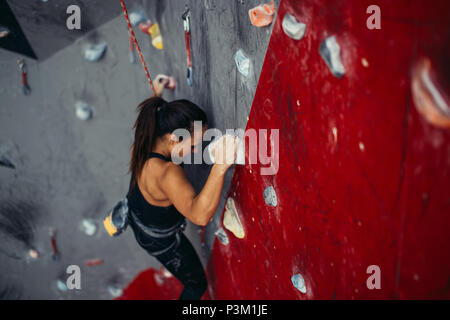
(183, 262)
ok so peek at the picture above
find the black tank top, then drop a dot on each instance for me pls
(150, 215)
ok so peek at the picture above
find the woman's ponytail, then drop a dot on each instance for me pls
(144, 136)
(157, 118)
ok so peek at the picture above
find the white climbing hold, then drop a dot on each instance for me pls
(83, 111)
(222, 236)
(364, 62)
(115, 291)
(242, 62)
(270, 197)
(299, 282)
(33, 254)
(335, 134)
(361, 146)
(88, 227)
(231, 219)
(331, 54)
(95, 52)
(137, 17)
(159, 279)
(293, 28)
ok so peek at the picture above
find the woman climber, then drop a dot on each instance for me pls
(160, 196)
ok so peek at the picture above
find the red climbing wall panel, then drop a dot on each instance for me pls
(363, 178)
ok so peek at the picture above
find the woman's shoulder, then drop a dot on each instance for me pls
(157, 169)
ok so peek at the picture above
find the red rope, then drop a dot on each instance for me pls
(130, 29)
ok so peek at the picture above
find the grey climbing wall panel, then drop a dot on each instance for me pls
(70, 169)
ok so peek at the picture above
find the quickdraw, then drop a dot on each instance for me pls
(187, 37)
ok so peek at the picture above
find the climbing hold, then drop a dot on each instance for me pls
(61, 285)
(331, 53)
(137, 17)
(115, 290)
(231, 219)
(4, 162)
(361, 146)
(145, 26)
(299, 282)
(365, 63)
(33, 254)
(242, 62)
(157, 40)
(83, 111)
(159, 279)
(427, 96)
(95, 52)
(94, 262)
(222, 236)
(335, 134)
(262, 15)
(240, 156)
(88, 226)
(293, 28)
(4, 31)
(270, 197)
(170, 81)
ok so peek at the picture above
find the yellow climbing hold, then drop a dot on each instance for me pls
(157, 40)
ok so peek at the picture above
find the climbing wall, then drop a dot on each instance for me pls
(70, 171)
(363, 176)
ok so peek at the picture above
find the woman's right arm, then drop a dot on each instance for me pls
(199, 209)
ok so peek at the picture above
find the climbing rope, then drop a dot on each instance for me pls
(130, 29)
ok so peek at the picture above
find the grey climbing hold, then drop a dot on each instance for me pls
(222, 236)
(242, 62)
(83, 111)
(299, 282)
(95, 52)
(331, 53)
(293, 28)
(4, 162)
(270, 197)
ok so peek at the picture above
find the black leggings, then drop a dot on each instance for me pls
(181, 260)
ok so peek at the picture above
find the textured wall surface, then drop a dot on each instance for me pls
(363, 178)
(67, 169)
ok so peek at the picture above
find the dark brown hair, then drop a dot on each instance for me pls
(156, 118)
